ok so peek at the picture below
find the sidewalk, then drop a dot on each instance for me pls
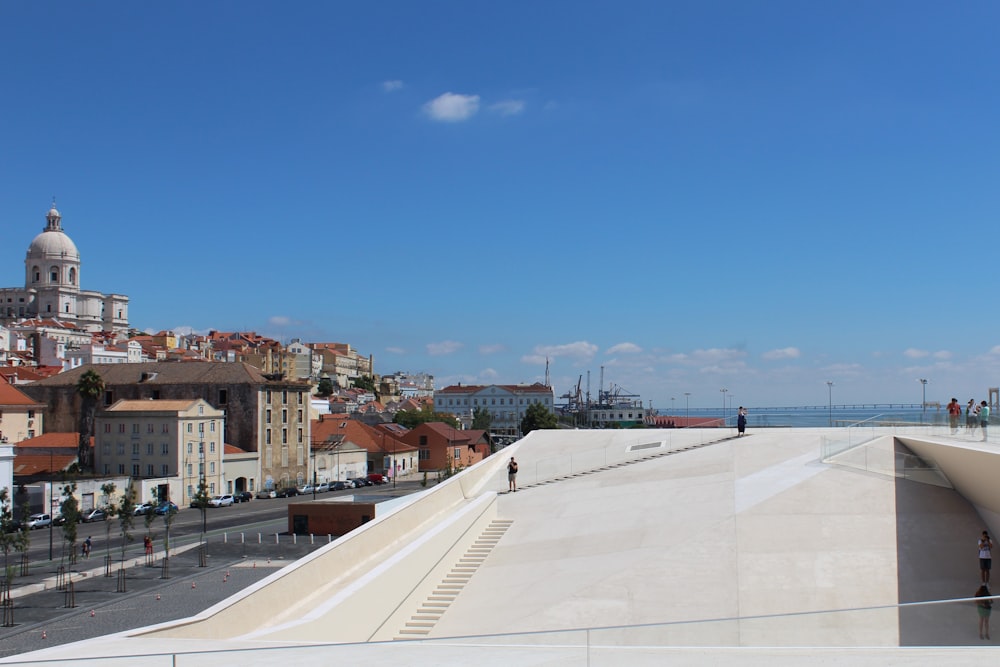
(42, 620)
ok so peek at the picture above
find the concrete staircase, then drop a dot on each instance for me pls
(437, 603)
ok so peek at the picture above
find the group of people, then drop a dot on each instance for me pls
(975, 415)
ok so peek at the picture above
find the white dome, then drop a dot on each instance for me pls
(52, 244)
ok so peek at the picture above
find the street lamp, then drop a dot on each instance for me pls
(687, 409)
(671, 406)
(923, 404)
(723, 390)
(829, 387)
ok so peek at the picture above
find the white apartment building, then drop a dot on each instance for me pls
(167, 444)
(506, 403)
(129, 352)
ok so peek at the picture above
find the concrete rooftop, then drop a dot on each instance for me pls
(645, 545)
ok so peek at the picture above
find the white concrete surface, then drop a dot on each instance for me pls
(740, 547)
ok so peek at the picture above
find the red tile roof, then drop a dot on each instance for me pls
(368, 437)
(10, 397)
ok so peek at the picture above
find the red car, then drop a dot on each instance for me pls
(377, 478)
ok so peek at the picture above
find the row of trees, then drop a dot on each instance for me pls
(537, 416)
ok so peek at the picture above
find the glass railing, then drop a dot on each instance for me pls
(935, 623)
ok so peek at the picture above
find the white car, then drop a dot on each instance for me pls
(221, 501)
(39, 521)
(308, 488)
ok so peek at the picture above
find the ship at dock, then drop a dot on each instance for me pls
(613, 407)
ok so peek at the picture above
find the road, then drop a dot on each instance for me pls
(266, 516)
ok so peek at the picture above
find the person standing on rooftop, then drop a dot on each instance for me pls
(971, 416)
(984, 417)
(954, 412)
(741, 421)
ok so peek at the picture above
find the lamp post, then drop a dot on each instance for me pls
(724, 390)
(829, 387)
(687, 409)
(671, 406)
(923, 403)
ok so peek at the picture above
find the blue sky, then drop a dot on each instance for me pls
(761, 196)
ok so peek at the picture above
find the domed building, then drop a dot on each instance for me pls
(52, 286)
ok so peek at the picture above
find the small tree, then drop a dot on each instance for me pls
(112, 508)
(168, 520)
(537, 416)
(481, 419)
(200, 500)
(8, 536)
(325, 387)
(69, 508)
(90, 387)
(126, 517)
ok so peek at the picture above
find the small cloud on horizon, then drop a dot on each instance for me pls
(914, 353)
(452, 107)
(579, 352)
(395, 350)
(391, 85)
(623, 348)
(492, 349)
(782, 353)
(444, 347)
(508, 107)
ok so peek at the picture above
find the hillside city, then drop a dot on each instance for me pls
(86, 395)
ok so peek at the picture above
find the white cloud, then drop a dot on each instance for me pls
(508, 107)
(943, 355)
(395, 350)
(488, 373)
(579, 352)
(392, 86)
(442, 348)
(914, 353)
(995, 349)
(782, 353)
(452, 108)
(492, 349)
(845, 370)
(623, 348)
(279, 321)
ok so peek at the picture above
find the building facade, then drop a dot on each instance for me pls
(506, 403)
(160, 442)
(52, 270)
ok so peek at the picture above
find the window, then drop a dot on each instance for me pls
(121, 449)
(107, 428)
(149, 428)
(211, 468)
(423, 441)
(201, 427)
(106, 448)
(165, 448)
(135, 449)
(300, 436)
(201, 447)
(211, 488)
(458, 453)
(284, 436)
(190, 470)
(149, 449)
(267, 417)
(121, 468)
(165, 429)
(107, 469)
(268, 400)
(164, 470)
(211, 447)
(425, 454)
(135, 469)
(284, 397)
(149, 470)
(284, 416)
(121, 428)
(190, 428)
(267, 437)
(211, 427)
(190, 489)
(300, 416)
(223, 396)
(190, 446)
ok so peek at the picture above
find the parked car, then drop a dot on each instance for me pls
(58, 519)
(143, 508)
(287, 492)
(305, 488)
(362, 481)
(39, 521)
(377, 478)
(266, 493)
(224, 500)
(323, 487)
(339, 486)
(96, 514)
(165, 507)
(242, 497)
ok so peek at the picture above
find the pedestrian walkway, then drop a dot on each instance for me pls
(42, 618)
